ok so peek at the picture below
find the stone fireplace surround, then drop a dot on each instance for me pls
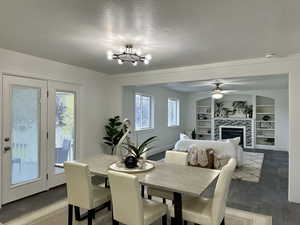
(236, 122)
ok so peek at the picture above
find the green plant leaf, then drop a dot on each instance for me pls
(108, 143)
(107, 138)
(147, 142)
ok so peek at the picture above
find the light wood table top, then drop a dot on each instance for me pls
(165, 176)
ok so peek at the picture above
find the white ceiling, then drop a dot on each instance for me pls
(175, 32)
(235, 84)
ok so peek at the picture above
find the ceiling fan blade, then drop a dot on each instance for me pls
(229, 91)
(201, 84)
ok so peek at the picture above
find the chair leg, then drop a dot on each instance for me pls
(77, 213)
(109, 205)
(185, 222)
(94, 213)
(164, 220)
(223, 222)
(90, 217)
(164, 200)
(70, 216)
(106, 183)
(149, 197)
(115, 222)
(142, 191)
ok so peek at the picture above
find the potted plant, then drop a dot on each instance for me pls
(136, 152)
(113, 132)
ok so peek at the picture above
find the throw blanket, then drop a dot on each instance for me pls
(200, 157)
(205, 158)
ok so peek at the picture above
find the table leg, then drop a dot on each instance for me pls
(142, 191)
(178, 208)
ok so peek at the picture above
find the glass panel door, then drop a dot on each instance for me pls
(64, 127)
(62, 121)
(24, 137)
(25, 129)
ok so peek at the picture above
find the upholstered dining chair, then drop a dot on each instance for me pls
(209, 211)
(81, 193)
(128, 205)
(173, 157)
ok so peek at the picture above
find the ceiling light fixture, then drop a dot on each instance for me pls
(217, 95)
(270, 55)
(129, 55)
(217, 92)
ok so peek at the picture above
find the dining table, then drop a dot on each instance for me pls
(179, 179)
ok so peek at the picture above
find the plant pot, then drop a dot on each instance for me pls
(131, 162)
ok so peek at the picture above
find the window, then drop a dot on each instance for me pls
(173, 112)
(143, 112)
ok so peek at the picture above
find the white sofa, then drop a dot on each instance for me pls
(223, 149)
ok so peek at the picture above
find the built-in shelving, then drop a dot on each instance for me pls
(265, 121)
(203, 119)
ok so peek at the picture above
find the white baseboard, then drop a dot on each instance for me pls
(161, 149)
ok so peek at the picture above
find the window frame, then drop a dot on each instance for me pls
(151, 127)
(177, 100)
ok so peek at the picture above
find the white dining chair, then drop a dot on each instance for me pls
(209, 211)
(128, 206)
(81, 193)
(172, 157)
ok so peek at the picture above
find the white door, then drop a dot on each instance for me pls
(62, 121)
(24, 141)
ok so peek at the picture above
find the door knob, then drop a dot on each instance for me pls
(7, 148)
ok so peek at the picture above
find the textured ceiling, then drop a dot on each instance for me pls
(236, 84)
(175, 32)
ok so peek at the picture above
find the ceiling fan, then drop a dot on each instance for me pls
(218, 92)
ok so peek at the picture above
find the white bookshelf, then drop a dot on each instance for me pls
(203, 119)
(265, 122)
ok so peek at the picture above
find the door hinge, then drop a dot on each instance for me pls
(47, 176)
(47, 94)
(47, 135)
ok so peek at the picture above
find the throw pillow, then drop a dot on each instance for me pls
(184, 137)
(236, 141)
(192, 157)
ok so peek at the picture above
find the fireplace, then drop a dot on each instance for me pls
(227, 132)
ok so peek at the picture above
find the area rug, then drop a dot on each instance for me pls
(251, 169)
(56, 214)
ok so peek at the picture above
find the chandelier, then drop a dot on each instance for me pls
(129, 55)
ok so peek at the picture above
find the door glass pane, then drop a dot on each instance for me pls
(65, 128)
(25, 110)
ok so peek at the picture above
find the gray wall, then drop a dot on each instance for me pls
(167, 135)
